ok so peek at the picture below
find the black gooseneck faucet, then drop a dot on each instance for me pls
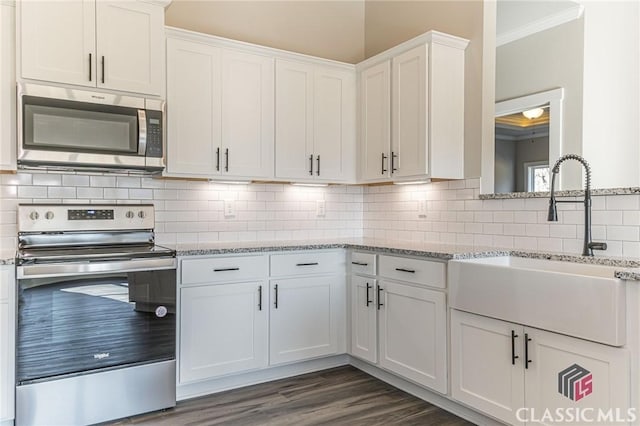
(588, 246)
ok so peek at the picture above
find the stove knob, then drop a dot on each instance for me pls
(130, 214)
(49, 215)
(142, 214)
(34, 215)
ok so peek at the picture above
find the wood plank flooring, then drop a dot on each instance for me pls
(339, 396)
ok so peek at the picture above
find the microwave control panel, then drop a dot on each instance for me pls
(154, 134)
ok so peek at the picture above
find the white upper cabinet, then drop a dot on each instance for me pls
(315, 122)
(412, 111)
(375, 121)
(110, 44)
(7, 88)
(193, 108)
(219, 111)
(247, 114)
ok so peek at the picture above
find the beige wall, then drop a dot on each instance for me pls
(388, 23)
(544, 61)
(327, 29)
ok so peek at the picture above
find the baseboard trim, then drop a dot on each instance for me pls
(194, 390)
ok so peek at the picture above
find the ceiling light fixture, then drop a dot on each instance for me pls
(534, 113)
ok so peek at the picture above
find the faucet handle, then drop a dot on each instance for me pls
(598, 246)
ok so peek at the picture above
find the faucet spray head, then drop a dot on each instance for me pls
(553, 210)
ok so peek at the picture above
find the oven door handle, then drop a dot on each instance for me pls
(45, 270)
(142, 132)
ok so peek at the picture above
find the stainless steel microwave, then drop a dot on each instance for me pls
(64, 128)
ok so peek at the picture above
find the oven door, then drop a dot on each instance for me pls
(78, 128)
(110, 316)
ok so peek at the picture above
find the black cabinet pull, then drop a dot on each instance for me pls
(411, 271)
(318, 171)
(393, 162)
(217, 159)
(384, 157)
(368, 300)
(513, 348)
(359, 263)
(225, 269)
(102, 61)
(311, 165)
(226, 160)
(259, 297)
(275, 302)
(307, 264)
(379, 289)
(526, 350)
(90, 66)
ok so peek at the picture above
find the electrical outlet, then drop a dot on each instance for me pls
(229, 208)
(422, 208)
(320, 208)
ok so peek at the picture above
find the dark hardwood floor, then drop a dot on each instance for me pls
(339, 396)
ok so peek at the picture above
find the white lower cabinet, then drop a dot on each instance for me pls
(305, 318)
(412, 332)
(224, 329)
(7, 342)
(517, 374)
(364, 327)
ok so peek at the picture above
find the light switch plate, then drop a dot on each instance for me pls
(229, 208)
(422, 208)
(320, 208)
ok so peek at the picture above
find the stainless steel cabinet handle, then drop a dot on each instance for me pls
(217, 159)
(226, 160)
(275, 301)
(384, 157)
(102, 69)
(226, 269)
(359, 263)
(379, 290)
(259, 297)
(307, 264)
(318, 171)
(311, 165)
(369, 287)
(514, 336)
(411, 271)
(527, 361)
(90, 70)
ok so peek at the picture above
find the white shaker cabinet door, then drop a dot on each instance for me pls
(486, 365)
(247, 114)
(294, 120)
(304, 318)
(364, 327)
(130, 51)
(223, 330)
(193, 108)
(413, 333)
(7, 88)
(375, 122)
(58, 41)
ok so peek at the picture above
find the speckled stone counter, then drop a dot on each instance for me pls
(629, 268)
(568, 193)
(7, 257)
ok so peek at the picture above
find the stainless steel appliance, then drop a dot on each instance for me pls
(64, 128)
(96, 315)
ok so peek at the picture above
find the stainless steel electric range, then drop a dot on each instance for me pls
(96, 314)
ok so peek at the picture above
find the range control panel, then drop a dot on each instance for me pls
(73, 217)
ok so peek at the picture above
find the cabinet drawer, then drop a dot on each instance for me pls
(311, 262)
(363, 263)
(425, 272)
(216, 269)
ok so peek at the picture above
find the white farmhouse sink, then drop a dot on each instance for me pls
(579, 300)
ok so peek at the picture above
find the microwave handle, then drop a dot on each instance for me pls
(142, 132)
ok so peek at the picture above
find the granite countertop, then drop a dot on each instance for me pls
(564, 193)
(629, 268)
(7, 257)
